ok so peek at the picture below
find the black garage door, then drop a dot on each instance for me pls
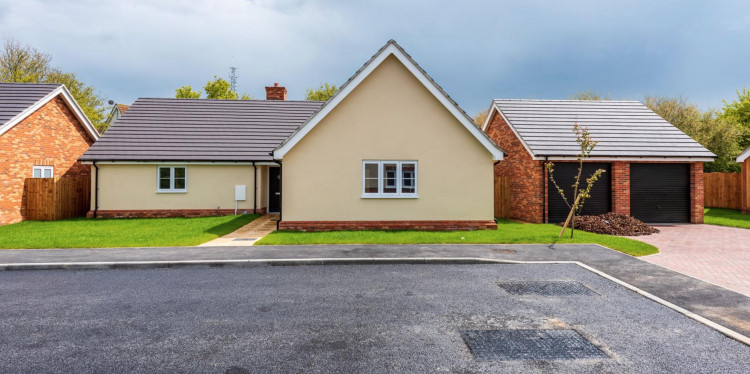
(600, 201)
(660, 193)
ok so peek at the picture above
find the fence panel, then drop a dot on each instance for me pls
(722, 190)
(49, 199)
(502, 197)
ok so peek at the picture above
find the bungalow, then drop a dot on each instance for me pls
(43, 132)
(390, 150)
(654, 172)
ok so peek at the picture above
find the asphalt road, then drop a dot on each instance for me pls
(333, 319)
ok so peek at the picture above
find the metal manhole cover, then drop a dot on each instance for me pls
(537, 345)
(243, 239)
(546, 288)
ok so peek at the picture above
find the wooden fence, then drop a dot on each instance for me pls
(50, 199)
(502, 196)
(722, 190)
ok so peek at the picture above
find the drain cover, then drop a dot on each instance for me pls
(546, 288)
(243, 239)
(537, 345)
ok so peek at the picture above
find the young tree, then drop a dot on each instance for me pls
(587, 144)
(322, 93)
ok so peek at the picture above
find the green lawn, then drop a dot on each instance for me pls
(134, 232)
(507, 232)
(726, 217)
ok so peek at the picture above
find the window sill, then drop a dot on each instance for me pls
(390, 197)
(171, 191)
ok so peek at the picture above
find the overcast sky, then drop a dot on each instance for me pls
(475, 50)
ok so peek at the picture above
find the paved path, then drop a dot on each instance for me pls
(718, 304)
(716, 254)
(247, 235)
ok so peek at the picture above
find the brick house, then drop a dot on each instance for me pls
(43, 132)
(654, 172)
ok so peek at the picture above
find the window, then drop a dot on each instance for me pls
(391, 179)
(171, 179)
(43, 172)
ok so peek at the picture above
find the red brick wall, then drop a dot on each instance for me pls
(50, 136)
(164, 213)
(527, 185)
(696, 192)
(621, 187)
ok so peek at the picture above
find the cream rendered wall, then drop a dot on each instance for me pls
(133, 187)
(389, 116)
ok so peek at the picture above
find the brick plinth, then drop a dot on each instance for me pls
(696, 192)
(387, 225)
(51, 136)
(166, 213)
(527, 187)
(621, 187)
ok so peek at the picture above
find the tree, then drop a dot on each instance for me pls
(480, 117)
(25, 64)
(718, 133)
(739, 111)
(322, 93)
(589, 95)
(22, 64)
(91, 104)
(219, 89)
(186, 92)
(586, 144)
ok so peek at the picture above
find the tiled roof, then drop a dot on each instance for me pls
(17, 97)
(622, 128)
(201, 130)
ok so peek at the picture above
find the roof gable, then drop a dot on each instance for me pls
(744, 155)
(390, 49)
(20, 100)
(623, 130)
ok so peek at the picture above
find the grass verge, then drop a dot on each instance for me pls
(508, 232)
(131, 232)
(726, 217)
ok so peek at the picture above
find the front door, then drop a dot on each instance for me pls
(274, 189)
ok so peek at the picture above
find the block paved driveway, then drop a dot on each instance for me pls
(716, 254)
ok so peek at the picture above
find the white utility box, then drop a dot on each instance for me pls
(240, 192)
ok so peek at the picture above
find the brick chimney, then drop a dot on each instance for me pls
(276, 92)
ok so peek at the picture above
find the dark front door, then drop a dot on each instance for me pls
(660, 193)
(565, 173)
(274, 189)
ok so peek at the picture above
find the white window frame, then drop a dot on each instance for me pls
(399, 180)
(171, 188)
(41, 169)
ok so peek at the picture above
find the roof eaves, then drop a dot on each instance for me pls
(744, 155)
